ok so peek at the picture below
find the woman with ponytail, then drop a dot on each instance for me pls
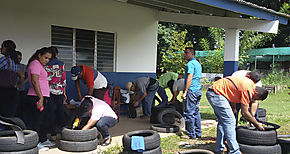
(36, 106)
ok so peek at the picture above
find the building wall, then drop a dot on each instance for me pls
(28, 23)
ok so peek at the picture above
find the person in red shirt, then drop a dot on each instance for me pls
(95, 81)
(235, 90)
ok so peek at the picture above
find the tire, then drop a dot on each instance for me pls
(284, 142)
(260, 149)
(8, 141)
(151, 139)
(256, 137)
(15, 121)
(164, 128)
(263, 119)
(178, 120)
(72, 146)
(179, 106)
(29, 151)
(79, 135)
(261, 112)
(196, 151)
(155, 112)
(152, 151)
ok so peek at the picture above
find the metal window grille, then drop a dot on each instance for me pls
(84, 47)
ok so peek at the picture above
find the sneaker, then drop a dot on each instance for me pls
(188, 137)
(41, 147)
(107, 141)
(48, 143)
(53, 138)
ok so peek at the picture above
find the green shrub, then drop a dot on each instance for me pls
(276, 78)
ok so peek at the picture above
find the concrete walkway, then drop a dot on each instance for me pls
(125, 125)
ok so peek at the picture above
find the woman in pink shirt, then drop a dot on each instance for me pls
(38, 95)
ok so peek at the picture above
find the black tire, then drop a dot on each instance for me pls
(283, 136)
(14, 120)
(155, 112)
(263, 119)
(8, 141)
(79, 135)
(179, 106)
(176, 117)
(260, 149)
(73, 146)
(151, 139)
(165, 128)
(261, 112)
(29, 151)
(196, 151)
(255, 137)
(284, 143)
(152, 151)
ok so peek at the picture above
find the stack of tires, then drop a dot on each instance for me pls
(151, 142)
(262, 115)
(19, 140)
(284, 141)
(253, 141)
(196, 151)
(166, 119)
(8, 142)
(78, 140)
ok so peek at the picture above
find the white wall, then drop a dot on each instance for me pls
(27, 23)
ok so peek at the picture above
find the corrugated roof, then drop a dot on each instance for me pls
(270, 51)
(260, 7)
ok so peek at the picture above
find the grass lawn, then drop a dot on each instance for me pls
(278, 112)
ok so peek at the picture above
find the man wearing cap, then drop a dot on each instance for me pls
(148, 87)
(95, 81)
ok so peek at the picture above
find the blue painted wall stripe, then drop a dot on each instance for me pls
(236, 7)
(230, 67)
(118, 78)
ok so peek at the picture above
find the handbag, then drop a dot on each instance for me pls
(8, 78)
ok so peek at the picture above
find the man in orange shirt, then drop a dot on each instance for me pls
(95, 81)
(235, 90)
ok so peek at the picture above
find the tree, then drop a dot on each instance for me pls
(173, 59)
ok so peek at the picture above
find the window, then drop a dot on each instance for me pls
(84, 47)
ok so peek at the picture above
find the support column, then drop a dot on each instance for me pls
(231, 53)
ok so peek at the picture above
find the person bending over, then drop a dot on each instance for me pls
(100, 115)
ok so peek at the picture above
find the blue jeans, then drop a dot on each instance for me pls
(104, 124)
(226, 123)
(162, 93)
(192, 115)
(148, 102)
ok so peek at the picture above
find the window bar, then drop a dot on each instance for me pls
(74, 48)
(96, 51)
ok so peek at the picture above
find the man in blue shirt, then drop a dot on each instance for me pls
(192, 94)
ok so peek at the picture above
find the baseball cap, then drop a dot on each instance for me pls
(128, 86)
(75, 71)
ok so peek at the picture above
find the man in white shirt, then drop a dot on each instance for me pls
(256, 77)
(101, 116)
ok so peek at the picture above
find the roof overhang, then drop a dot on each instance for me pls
(220, 22)
(215, 8)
